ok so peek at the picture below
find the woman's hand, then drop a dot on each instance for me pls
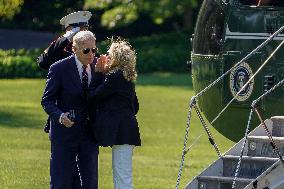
(101, 64)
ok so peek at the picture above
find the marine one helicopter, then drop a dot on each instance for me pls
(225, 32)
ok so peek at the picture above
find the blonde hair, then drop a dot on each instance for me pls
(123, 57)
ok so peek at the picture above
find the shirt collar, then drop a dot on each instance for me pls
(79, 64)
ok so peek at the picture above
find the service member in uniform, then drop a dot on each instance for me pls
(62, 47)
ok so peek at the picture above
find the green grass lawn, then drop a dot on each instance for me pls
(25, 148)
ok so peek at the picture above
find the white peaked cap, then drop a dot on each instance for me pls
(79, 17)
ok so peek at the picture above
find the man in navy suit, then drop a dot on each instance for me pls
(60, 49)
(65, 101)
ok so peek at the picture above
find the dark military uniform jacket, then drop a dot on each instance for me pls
(59, 49)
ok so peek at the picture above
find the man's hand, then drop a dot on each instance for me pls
(69, 34)
(66, 121)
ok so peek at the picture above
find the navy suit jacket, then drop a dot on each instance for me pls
(63, 93)
(116, 107)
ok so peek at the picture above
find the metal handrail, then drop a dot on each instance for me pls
(273, 144)
(210, 136)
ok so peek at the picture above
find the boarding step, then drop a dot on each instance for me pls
(251, 167)
(216, 182)
(278, 126)
(260, 146)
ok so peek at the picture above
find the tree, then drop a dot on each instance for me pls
(42, 14)
(123, 12)
(8, 8)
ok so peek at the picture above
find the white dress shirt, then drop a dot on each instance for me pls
(80, 69)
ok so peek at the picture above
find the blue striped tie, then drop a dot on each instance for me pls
(85, 79)
(85, 88)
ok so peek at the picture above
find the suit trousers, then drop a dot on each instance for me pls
(77, 183)
(63, 163)
(122, 166)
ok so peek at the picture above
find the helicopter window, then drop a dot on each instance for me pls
(209, 29)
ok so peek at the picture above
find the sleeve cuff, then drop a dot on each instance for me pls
(60, 118)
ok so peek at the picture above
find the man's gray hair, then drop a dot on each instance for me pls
(82, 36)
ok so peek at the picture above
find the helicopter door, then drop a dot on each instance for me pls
(234, 81)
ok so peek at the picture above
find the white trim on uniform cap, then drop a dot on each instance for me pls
(75, 17)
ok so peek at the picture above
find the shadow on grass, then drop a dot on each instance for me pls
(165, 79)
(17, 119)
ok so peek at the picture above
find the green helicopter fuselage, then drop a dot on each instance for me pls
(224, 34)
